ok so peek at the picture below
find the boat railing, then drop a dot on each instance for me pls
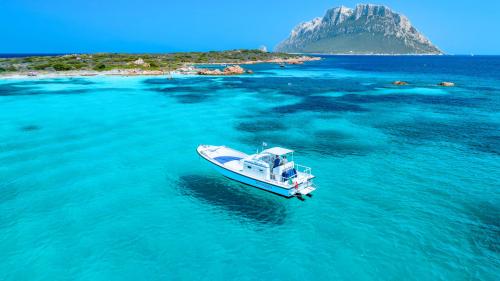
(303, 169)
(300, 169)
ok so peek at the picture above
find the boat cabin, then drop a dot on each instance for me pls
(273, 164)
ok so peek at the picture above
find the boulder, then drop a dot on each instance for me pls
(230, 70)
(233, 69)
(400, 83)
(210, 72)
(447, 84)
(139, 61)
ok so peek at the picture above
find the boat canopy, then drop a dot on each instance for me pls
(277, 151)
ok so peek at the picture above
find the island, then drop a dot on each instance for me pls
(143, 64)
(367, 29)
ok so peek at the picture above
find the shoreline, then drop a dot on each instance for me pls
(186, 69)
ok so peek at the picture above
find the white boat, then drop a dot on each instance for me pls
(271, 169)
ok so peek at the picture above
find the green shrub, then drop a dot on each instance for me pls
(41, 66)
(100, 67)
(61, 67)
(78, 65)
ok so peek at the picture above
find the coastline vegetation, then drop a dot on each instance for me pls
(112, 61)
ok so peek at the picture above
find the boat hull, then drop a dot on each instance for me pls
(252, 182)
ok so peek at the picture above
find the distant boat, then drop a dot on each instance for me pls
(282, 65)
(268, 170)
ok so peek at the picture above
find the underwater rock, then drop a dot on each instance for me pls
(29, 128)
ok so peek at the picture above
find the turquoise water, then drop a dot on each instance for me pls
(99, 178)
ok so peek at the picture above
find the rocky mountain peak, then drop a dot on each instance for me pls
(366, 29)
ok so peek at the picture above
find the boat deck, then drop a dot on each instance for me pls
(225, 156)
(307, 190)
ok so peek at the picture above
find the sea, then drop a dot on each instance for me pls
(100, 179)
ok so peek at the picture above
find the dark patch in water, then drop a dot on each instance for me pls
(29, 128)
(69, 81)
(187, 94)
(406, 98)
(191, 81)
(485, 227)
(232, 197)
(325, 143)
(319, 104)
(13, 90)
(297, 86)
(480, 136)
(261, 126)
(475, 89)
(279, 131)
(191, 98)
(332, 134)
(182, 89)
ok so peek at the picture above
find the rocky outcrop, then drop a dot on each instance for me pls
(230, 70)
(447, 84)
(234, 69)
(400, 83)
(366, 29)
(139, 61)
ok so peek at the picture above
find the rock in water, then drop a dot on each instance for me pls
(230, 70)
(447, 84)
(400, 83)
(366, 29)
(234, 69)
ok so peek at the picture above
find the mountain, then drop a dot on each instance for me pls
(366, 29)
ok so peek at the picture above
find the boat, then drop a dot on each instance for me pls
(269, 169)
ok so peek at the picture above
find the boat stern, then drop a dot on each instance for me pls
(304, 185)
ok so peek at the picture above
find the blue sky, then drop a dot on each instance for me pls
(66, 26)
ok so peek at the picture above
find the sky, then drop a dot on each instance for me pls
(70, 26)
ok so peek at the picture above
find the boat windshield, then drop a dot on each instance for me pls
(264, 157)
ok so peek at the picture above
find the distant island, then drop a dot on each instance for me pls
(141, 64)
(366, 29)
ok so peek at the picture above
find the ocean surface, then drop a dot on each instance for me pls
(100, 180)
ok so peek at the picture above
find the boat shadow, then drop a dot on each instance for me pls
(234, 198)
